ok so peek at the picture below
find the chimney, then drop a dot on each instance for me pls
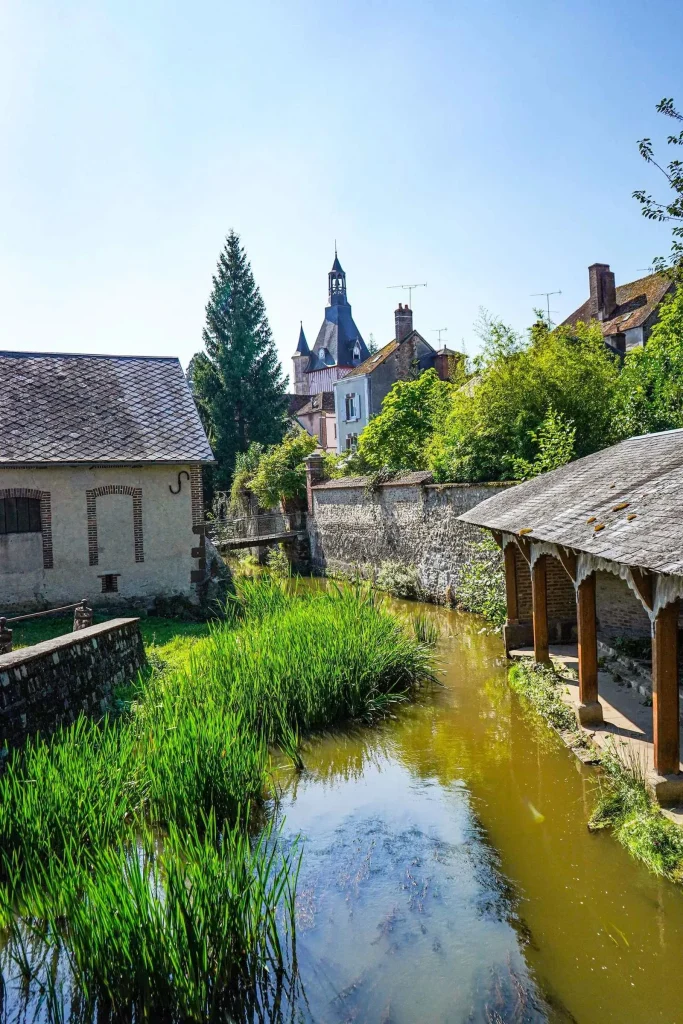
(404, 322)
(603, 292)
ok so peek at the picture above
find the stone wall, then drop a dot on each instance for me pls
(410, 521)
(49, 684)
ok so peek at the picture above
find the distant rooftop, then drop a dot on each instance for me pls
(63, 408)
(634, 304)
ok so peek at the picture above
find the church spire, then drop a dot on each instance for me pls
(302, 348)
(337, 283)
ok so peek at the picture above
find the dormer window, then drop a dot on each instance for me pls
(356, 352)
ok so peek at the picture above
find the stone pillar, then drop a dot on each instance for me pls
(540, 610)
(5, 637)
(315, 474)
(82, 616)
(590, 709)
(665, 690)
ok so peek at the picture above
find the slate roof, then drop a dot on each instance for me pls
(336, 339)
(87, 408)
(635, 302)
(302, 348)
(641, 477)
(373, 361)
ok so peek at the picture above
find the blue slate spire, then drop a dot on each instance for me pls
(302, 348)
(339, 342)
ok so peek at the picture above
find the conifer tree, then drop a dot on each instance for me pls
(237, 381)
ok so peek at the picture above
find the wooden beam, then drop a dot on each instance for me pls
(540, 609)
(643, 582)
(511, 597)
(665, 690)
(498, 537)
(568, 559)
(588, 641)
(525, 547)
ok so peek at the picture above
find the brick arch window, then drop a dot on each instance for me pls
(91, 497)
(45, 505)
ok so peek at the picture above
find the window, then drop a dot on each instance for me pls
(356, 353)
(351, 442)
(110, 582)
(352, 407)
(20, 515)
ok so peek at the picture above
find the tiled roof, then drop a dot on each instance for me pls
(295, 403)
(373, 361)
(89, 408)
(322, 401)
(633, 490)
(635, 302)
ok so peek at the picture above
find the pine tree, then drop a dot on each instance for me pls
(237, 381)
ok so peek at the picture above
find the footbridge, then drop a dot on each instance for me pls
(255, 531)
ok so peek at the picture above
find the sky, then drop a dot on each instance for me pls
(486, 148)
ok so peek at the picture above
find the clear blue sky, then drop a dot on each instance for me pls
(488, 148)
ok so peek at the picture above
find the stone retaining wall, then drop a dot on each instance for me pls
(44, 686)
(354, 529)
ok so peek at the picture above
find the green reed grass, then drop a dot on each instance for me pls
(184, 926)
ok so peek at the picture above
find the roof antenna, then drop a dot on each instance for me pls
(408, 288)
(439, 331)
(547, 299)
(650, 270)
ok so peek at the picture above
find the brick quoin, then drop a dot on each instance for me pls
(91, 509)
(198, 527)
(45, 500)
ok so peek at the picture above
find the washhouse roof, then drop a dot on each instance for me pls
(624, 504)
(59, 408)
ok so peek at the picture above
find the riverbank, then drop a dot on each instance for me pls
(626, 805)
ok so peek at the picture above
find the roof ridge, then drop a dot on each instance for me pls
(87, 355)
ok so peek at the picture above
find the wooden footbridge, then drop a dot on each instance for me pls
(255, 531)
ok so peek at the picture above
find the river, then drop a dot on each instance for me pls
(448, 874)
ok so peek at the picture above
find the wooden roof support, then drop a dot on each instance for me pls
(540, 610)
(665, 699)
(525, 547)
(568, 559)
(511, 597)
(643, 581)
(590, 710)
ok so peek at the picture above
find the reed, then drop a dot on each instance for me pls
(192, 922)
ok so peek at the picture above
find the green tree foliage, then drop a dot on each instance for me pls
(246, 464)
(397, 439)
(555, 439)
(650, 390)
(281, 473)
(496, 417)
(673, 210)
(237, 381)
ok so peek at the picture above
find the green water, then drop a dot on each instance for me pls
(448, 874)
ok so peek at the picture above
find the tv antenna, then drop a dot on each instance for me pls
(439, 331)
(408, 288)
(547, 300)
(650, 270)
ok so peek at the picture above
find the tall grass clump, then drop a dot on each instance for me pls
(628, 809)
(192, 921)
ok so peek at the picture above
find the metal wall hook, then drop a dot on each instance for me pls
(183, 472)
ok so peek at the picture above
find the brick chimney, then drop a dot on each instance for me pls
(603, 291)
(404, 322)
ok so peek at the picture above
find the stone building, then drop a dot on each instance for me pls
(359, 394)
(599, 543)
(100, 481)
(627, 312)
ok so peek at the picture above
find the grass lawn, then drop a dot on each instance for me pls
(167, 641)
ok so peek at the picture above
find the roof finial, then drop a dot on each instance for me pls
(335, 248)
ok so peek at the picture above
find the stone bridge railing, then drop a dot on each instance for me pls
(259, 529)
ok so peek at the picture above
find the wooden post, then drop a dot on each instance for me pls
(665, 690)
(590, 710)
(540, 610)
(511, 584)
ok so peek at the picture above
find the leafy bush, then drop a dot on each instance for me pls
(281, 473)
(398, 579)
(555, 439)
(481, 585)
(278, 564)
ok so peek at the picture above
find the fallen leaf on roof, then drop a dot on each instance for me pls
(600, 526)
(527, 529)
(632, 515)
(618, 508)
(590, 520)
